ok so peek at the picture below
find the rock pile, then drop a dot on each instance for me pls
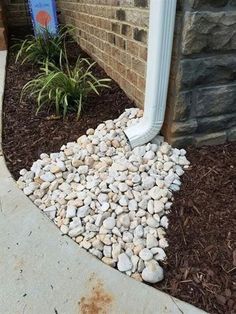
(112, 200)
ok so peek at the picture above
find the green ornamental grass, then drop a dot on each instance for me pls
(65, 87)
(43, 47)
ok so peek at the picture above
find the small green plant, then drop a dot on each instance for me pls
(43, 47)
(65, 87)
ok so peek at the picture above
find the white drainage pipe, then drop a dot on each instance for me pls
(160, 41)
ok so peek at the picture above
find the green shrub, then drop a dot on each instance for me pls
(64, 86)
(43, 47)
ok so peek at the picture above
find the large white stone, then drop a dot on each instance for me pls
(109, 223)
(83, 211)
(153, 272)
(151, 241)
(124, 220)
(124, 263)
(138, 232)
(77, 231)
(148, 183)
(70, 211)
(145, 254)
(83, 169)
(159, 254)
(48, 177)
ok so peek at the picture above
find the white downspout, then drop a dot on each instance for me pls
(160, 41)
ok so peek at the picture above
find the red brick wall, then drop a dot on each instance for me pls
(114, 33)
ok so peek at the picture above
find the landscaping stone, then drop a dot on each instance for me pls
(124, 262)
(112, 200)
(152, 272)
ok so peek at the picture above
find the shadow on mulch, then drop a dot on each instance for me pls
(201, 266)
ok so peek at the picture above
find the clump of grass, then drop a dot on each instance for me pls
(64, 86)
(43, 47)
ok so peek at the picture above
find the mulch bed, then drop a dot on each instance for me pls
(201, 267)
(26, 136)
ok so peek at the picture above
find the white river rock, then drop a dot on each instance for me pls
(110, 199)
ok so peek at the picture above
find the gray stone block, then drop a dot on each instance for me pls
(199, 4)
(232, 134)
(182, 141)
(183, 106)
(211, 139)
(215, 101)
(209, 31)
(184, 128)
(216, 123)
(204, 71)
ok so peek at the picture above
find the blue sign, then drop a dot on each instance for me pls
(43, 14)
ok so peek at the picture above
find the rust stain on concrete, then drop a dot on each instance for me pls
(98, 301)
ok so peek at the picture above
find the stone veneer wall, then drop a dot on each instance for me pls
(202, 95)
(201, 107)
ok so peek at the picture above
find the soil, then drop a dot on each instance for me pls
(201, 266)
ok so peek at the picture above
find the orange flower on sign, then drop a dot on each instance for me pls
(43, 18)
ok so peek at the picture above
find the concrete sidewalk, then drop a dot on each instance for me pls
(43, 272)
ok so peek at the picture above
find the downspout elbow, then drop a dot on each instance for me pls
(143, 132)
(160, 41)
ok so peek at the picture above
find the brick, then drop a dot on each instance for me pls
(133, 48)
(126, 30)
(116, 28)
(141, 83)
(132, 77)
(3, 39)
(121, 15)
(139, 66)
(141, 3)
(143, 52)
(140, 35)
(120, 42)
(119, 67)
(111, 38)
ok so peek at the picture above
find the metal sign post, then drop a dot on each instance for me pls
(43, 15)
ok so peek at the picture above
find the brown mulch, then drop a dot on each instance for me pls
(26, 136)
(201, 267)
